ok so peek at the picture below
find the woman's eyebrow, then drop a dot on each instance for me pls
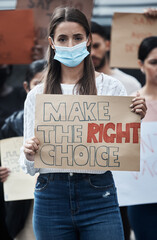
(78, 34)
(62, 35)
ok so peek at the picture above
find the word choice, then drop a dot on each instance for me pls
(80, 155)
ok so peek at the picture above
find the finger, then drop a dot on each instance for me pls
(4, 175)
(140, 112)
(4, 179)
(138, 98)
(141, 106)
(34, 146)
(29, 151)
(36, 140)
(4, 171)
(31, 144)
(137, 102)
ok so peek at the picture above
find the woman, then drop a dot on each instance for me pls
(72, 206)
(143, 217)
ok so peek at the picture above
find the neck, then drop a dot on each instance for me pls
(71, 75)
(149, 91)
(106, 68)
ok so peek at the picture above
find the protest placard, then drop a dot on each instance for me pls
(43, 10)
(16, 36)
(19, 185)
(128, 31)
(86, 133)
(140, 187)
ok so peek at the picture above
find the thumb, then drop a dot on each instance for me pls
(137, 94)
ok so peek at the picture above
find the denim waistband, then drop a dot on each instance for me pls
(66, 176)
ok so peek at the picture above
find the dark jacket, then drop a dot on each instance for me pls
(13, 126)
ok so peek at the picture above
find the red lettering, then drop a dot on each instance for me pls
(135, 127)
(93, 128)
(109, 139)
(103, 132)
(123, 134)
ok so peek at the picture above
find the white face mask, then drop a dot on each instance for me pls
(71, 56)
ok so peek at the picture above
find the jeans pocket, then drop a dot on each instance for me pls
(42, 182)
(101, 181)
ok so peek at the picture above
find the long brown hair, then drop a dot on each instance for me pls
(86, 85)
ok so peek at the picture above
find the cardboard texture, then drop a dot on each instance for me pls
(16, 36)
(87, 133)
(140, 187)
(128, 31)
(43, 10)
(19, 185)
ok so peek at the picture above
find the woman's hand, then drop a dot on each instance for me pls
(151, 12)
(4, 173)
(31, 147)
(139, 105)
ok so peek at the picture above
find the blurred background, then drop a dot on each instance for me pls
(103, 11)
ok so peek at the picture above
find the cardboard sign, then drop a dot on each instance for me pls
(128, 31)
(16, 36)
(19, 185)
(140, 187)
(43, 10)
(86, 133)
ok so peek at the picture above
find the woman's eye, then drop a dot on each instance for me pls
(62, 40)
(78, 38)
(153, 62)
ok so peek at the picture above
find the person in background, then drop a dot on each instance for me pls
(17, 211)
(70, 205)
(11, 99)
(100, 56)
(143, 218)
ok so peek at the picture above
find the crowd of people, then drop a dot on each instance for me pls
(69, 205)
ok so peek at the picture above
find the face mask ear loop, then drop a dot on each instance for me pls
(53, 43)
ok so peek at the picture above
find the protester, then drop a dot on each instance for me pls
(143, 217)
(70, 205)
(100, 56)
(17, 211)
(11, 99)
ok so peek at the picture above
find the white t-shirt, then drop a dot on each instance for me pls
(130, 83)
(105, 85)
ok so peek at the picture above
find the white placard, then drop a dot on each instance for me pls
(141, 187)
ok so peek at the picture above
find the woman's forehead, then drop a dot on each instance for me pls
(69, 28)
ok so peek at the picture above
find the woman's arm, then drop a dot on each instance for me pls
(26, 157)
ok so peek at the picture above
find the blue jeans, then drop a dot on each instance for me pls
(77, 207)
(143, 221)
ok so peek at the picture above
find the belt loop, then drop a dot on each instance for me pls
(51, 176)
